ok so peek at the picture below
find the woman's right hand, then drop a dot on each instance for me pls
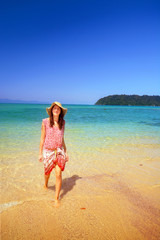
(40, 157)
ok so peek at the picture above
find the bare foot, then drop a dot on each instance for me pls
(45, 187)
(56, 203)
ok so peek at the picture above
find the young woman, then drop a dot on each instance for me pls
(52, 150)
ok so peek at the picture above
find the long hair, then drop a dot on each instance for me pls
(60, 120)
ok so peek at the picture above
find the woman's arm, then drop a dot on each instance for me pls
(64, 145)
(65, 149)
(43, 135)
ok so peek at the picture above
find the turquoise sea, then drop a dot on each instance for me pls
(88, 127)
(90, 130)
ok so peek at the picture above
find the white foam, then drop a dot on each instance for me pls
(5, 206)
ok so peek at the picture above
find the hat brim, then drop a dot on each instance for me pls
(64, 110)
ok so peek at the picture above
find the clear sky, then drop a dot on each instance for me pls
(79, 51)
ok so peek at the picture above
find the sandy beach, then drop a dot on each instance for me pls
(108, 205)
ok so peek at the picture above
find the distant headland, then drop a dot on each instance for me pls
(20, 101)
(129, 100)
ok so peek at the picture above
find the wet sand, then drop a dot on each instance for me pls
(100, 204)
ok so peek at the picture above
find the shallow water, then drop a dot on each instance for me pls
(88, 126)
(100, 140)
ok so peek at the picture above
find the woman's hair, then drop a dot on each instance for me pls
(60, 120)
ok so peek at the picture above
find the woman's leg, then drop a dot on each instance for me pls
(46, 178)
(58, 172)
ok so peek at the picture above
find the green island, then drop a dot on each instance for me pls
(129, 100)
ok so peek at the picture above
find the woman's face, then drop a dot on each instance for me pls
(56, 111)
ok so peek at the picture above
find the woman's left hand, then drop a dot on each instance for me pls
(67, 157)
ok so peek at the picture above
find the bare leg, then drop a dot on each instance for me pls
(46, 178)
(58, 182)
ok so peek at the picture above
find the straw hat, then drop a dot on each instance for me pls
(64, 110)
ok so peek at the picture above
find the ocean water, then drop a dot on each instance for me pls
(89, 128)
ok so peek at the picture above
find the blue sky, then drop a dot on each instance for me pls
(79, 51)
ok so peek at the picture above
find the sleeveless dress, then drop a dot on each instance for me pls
(53, 151)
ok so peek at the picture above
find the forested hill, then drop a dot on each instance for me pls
(133, 100)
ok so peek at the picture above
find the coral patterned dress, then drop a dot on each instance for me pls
(53, 151)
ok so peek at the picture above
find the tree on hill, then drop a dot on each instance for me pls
(133, 100)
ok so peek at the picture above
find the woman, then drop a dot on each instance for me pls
(52, 150)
